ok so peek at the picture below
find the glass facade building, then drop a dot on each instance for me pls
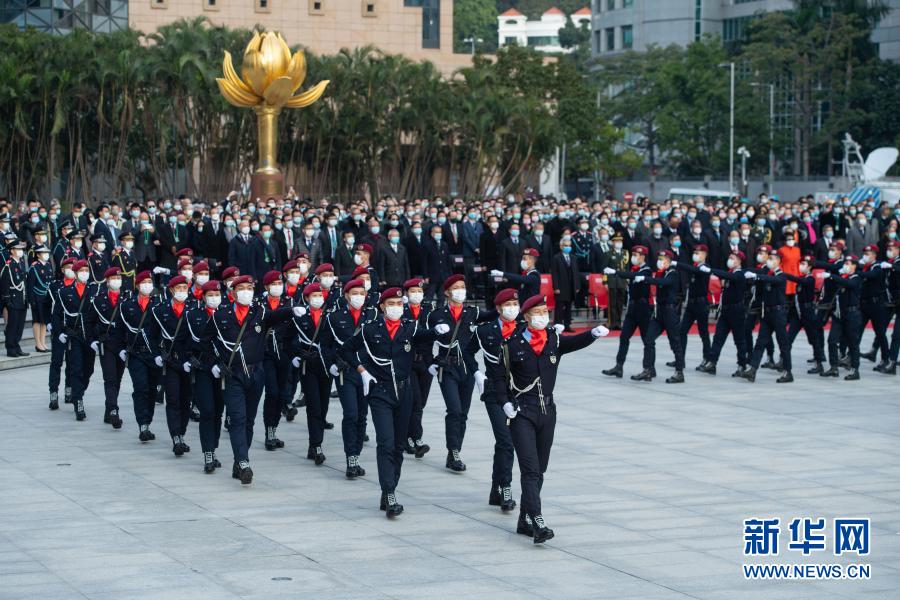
(63, 16)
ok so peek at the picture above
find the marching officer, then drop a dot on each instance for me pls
(664, 318)
(106, 305)
(804, 314)
(846, 318)
(96, 258)
(637, 305)
(13, 275)
(73, 331)
(696, 303)
(124, 258)
(325, 277)
(773, 318)
(754, 304)
(732, 313)
(37, 290)
(893, 289)
(417, 310)
(529, 282)
(531, 358)
(58, 348)
(872, 302)
(277, 363)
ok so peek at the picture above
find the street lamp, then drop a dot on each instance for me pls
(473, 41)
(744, 154)
(771, 87)
(731, 144)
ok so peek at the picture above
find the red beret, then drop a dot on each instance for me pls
(176, 280)
(839, 244)
(505, 296)
(765, 248)
(271, 277)
(185, 262)
(851, 258)
(111, 272)
(536, 300)
(81, 264)
(639, 250)
(702, 247)
(667, 253)
(68, 261)
(871, 248)
(807, 258)
(453, 279)
(185, 252)
(389, 293)
(201, 266)
(414, 282)
(312, 288)
(324, 268)
(739, 254)
(894, 244)
(364, 248)
(241, 279)
(531, 252)
(291, 264)
(359, 271)
(230, 272)
(211, 286)
(353, 283)
(300, 255)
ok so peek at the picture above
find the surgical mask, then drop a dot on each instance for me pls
(539, 321)
(146, 288)
(68, 273)
(202, 279)
(213, 301)
(180, 296)
(828, 234)
(316, 301)
(770, 263)
(100, 247)
(128, 245)
(510, 312)
(393, 313)
(244, 297)
(538, 233)
(523, 264)
(514, 233)
(367, 285)
(357, 300)
(326, 282)
(114, 284)
(791, 243)
(844, 270)
(833, 254)
(416, 297)
(276, 290)
(43, 257)
(695, 257)
(567, 249)
(332, 222)
(617, 245)
(357, 259)
(83, 276)
(733, 263)
(303, 267)
(458, 295)
(395, 239)
(187, 274)
(661, 265)
(245, 230)
(255, 226)
(804, 269)
(77, 243)
(760, 258)
(494, 226)
(266, 235)
(135, 214)
(438, 237)
(350, 241)
(676, 244)
(657, 231)
(417, 231)
(634, 260)
(293, 278)
(375, 229)
(734, 241)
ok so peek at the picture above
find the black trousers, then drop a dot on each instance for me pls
(355, 409)
(503, 445)
(277, 387)
(211, 404)
(57, 358)
(616, 299)
(844, 330)
(456, 387)
(637, 317)
(666, 319)
(731, 320)
(241, 394)
(390, 415)
(874, 311)
(807, 319)
(420, 387)
(773, 322)
(81, 357)
(696, 311)
(316, 384)
(15, 325)
(750, 323)
(532, 436)
(563, 312)
(895, 336)
(145, 376)
(178, 399)
(113, 369)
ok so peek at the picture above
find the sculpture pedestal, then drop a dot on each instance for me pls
(267, 185)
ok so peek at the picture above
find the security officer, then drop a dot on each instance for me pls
(172, 353)
(325, 277)
(531, 358)
(62, 246)
(241, 332)
(664, 318)
(804, 314)
(277, 362)
(13, 275)
(418, 310)
(37, 290)
(106, 305)
(294, 281)
(893, 289)
(773, 318)
(384, 348)
(696, 302)
(96, 258)
(872, 300)
(344, 322)
(136, 338)
(846, 318)
(124, 258)
(57, 348)
(529, 282)
(364, 274)
(754, 304)
(637, 305)
(732, 313)
(74, 330)
(489, 338)
(617, 258)
(204, 356)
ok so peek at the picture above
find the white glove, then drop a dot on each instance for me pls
(187, 367)
(63, 338)
(299, 311)
(158, 361)
(334, 371)
(405, 300)
(704, 269)
(599, 331)
(887, 265)
(123, 355)
(49, 327)
(95, 346)
(216, 371)
(824, 275)
(367, 380)
(441, 328)
(559, 328)
(160, 271)
(638, 278)
(609, 271)
(296, 362)
(479, 381)
(432, 370)
(496, 273)
(749, 275)
(510, 410)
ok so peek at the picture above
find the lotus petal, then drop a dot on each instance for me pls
(273, 59)
(254, 43)
(309, 96)
(231, 74)
(236, 96)
(254, 73)
(279, 91)
(297, 70)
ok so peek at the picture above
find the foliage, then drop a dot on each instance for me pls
(476, 19)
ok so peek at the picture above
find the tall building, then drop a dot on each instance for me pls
(541, 34)
(63, 16)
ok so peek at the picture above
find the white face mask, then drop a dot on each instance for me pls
(276, 290)
(77, 244)
(202, 279)
(83, 276)
(146, 288)
(245, 230)
(760, 258)
(832, 254)
(326, 282)
(539, 321)
(68, 273)
(524, 265)
(213, 301)
(790, 243)
(128, 244)
(357, 300)
(100, 248)
(617, 245)
(416, 297)
(180, 296)
(357, 259)
(293, 278)
(187, 274)
(244, 297)
(367, 284)
(635, 260)
(661, 264)
(114, 284)
(732, 263)
(316, 301)
(844, 270)
(43, 257)
(393, 313)
(510, 312)
(804, 269)
(696, 257)
(304, 268)
(458, 295)
(770, 263)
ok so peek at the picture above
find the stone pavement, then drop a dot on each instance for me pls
(647, 491)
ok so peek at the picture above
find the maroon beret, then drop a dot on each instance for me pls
(894, 244)
(389, 293)
(300, 255)
(185, 252)
(505, 296)
(241, 279)
(667, 253)
(177, 280)
(324, 268)
(201, 266)
(142, 276)
(291, 264)
(185, 262)
(702, 247)
(531, 252)
(359, 271)
(453, 279)
(312, 288)
(364, 248)
(271, 277)
(353, 283)
(230, 272)
(807, 258)
(68, 261)
(765, 248)
(211, 286)
(639, 250)
(81, 264)
(839, 244)
(414, 282)
(851, 258)
(739, 254)
(871, 248)
(536, 300)
(111, 272)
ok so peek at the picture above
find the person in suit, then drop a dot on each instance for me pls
(511, 249)
(566, 283)
(102, 228)
(329, 239)
(272, 257)
(861, 234)
(471, 237)
(146, 241)
(392, 264)
(415, 250)
(437, 264)
(309, 242)
(453, 231)
(245, 252)
(490, 253)
(616, 258)
(343, 259)
(540, 242)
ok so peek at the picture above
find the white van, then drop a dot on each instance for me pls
(682, 194)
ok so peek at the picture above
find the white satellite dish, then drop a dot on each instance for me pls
(879, 162)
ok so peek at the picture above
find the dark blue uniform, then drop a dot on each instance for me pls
(203, 353)
(894, 306)
(664, 318)
(732, 313)
(57, 348)
(174, 341)
(696, 306)
(845, 320)
(773, 318)
(13, 275)
(76, 313)
(804, 315)
(307, 341)
(637, 312)
(421, 382)
(277, 367)
(37, 289)
(105, 321)
(138, 337)
(529, 283)
(872, 300)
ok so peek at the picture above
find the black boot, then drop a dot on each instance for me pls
(769, 364)
(707, 367)
(523, 526)
(176, 445)
(392, 507)
(454, 462)
(208, 465)
(68, 395)
(542, 533)
(216, 462)
(645, 375)
(112, 417)
(891, 368)
(816, 370)
(244, 472)
(350, 473)
(146, 435)
(329, 425)
(853, 375)
(410, 446)
(880, 367)
(496, 496)
(289, 413)
(300, 401)
(226, 423)
(671, 363)
(507, 504)
(749, 374)
(317, 455)
(616, 371)
(195, 414)
(79, 410)
(678, 377)
(786, 377)
(272, 442)
(421, 448)
(870, 355)
(383, 504)
(739, 372)
(54, 401)
(831, 372)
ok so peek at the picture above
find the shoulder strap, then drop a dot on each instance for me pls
(237, 342)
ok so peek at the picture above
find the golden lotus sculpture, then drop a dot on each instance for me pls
(269, 78)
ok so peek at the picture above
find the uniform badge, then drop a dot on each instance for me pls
(407, 346)
(258, 328)
(552, 359)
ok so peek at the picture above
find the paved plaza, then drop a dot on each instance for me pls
(648, 488)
